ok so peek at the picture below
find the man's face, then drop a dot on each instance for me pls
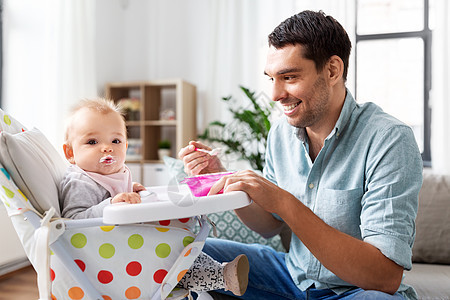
(301, 90)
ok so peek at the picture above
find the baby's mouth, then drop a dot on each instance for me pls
(108, 160)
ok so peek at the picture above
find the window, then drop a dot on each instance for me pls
(393, 62)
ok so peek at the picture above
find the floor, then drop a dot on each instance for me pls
(19, 285)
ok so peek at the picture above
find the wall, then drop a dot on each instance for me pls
(129, 47)
(216, 45)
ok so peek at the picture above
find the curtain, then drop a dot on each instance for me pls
(48, 61)
(440, 92)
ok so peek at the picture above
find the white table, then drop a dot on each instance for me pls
(173, 202)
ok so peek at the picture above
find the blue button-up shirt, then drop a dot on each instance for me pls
(364, 182)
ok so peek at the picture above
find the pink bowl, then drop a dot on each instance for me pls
(200, 185)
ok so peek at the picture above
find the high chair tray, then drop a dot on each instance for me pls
(173, 202)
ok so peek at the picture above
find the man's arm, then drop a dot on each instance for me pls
(259, 220)
(354, 261)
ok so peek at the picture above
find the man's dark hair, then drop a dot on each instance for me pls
(321, 37)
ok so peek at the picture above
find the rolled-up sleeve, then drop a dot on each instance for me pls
(389, 206)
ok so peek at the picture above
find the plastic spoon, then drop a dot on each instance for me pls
(212, 152)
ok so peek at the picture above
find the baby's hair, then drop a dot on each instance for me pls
(101, 105)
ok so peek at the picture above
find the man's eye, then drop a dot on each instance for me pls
(92, 142)
(289, 77)
(116, 141)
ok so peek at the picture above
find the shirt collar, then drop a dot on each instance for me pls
(346, 113)
(344, 117)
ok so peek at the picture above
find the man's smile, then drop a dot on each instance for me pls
(289, 108)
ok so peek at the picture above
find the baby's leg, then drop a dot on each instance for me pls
(206, 274)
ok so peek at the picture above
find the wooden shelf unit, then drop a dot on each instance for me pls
(154, 96)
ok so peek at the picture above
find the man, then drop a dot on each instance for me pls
(343, 176)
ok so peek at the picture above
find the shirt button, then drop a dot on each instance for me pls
(338, 134)
(311, 185)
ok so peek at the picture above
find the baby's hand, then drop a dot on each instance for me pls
(137, 187)
(131, 198)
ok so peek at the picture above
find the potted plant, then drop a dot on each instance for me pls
(246, 135)
(163, 148)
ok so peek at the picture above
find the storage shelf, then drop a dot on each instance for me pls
(154, 97)
(160, 123)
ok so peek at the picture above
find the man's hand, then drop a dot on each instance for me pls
(196, 162)
(266, 196)
(131, 198)
(259, 189)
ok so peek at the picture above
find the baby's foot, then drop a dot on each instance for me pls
(235, 275)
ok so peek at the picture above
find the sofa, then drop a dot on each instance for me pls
(430, 275)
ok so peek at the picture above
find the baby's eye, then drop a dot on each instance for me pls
(116, 141)
(92, 142)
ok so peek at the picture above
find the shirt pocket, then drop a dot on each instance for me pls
(341, 209)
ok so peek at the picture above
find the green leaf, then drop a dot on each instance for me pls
(247, 134)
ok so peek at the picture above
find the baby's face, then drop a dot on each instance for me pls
(97, 141)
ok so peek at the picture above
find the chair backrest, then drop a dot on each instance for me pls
(32, 162)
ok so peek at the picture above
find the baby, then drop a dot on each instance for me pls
(95, 145)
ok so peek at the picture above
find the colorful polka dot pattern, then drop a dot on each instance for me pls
(10, 195)
(121, 260)
(9, 124)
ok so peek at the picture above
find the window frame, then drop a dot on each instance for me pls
(426, 35)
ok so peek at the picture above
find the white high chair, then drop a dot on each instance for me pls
(114, 257)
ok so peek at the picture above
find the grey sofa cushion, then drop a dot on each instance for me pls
(430, 281)
(432, 244)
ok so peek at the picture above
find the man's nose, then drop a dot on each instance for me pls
(278, 91)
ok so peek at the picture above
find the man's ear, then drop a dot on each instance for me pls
(68, 152)
(335, 69)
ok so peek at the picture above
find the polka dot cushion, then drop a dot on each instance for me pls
(128, 261)
(11, 196)
(15, 202)
(123, 262)
(9, 124)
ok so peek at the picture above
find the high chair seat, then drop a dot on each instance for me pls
(88, 259)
